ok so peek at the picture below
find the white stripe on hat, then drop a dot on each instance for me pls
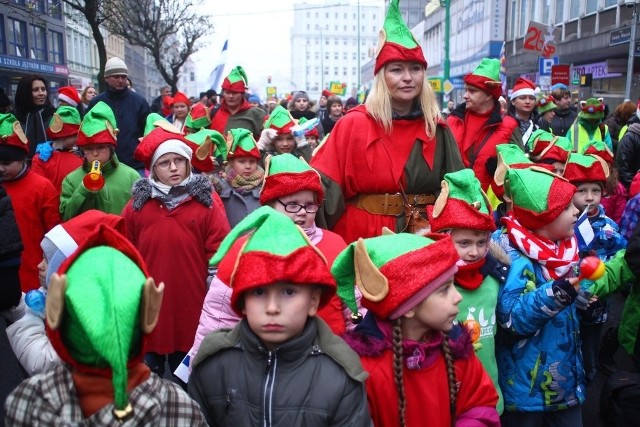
(65, 98)
(523, 91)
(62, 239)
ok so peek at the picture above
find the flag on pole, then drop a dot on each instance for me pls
(584, 231)
(216, 75)
(503, 68)
(182, 371)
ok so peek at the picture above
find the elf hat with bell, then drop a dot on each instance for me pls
(586, 168)
(280, 119)
(461, 204)
(240, 143)
(486, 77)
(286, 174)
(236, 81)
(13, 142)
(64, 122)
(277, 250)
(98, 126)
(198, 117)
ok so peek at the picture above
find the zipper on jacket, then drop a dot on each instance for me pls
(267, 396)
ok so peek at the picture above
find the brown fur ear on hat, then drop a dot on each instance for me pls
(55, 300)
(151, 302)
(204, 150)
(229, 139)
(17, 129)
(441, 201)
(57, 123)
(373, 284)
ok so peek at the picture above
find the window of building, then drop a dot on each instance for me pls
(335, 42)
(38, 5)
(56, 50)
(335, 71)
(546, 16)
(592, 6)
(336, 55)
(344, 42)
(523, 20)
(326, 42)
(3, 44)
(20, 2)
(355, 56)
(345, 15)
(37, 43)
(308, 27)
(608, 3)
(326, 55)
(17, 37)
(344, 71)
(317, 55)
(345, 56)
(574, 9)
(559, 11)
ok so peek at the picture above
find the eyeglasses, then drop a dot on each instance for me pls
(100, 149)
(295, 207)
(166, 164)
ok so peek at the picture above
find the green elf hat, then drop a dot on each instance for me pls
(544, 146)
(313, 131)
(592, 109)
(65, 122)
(538, 195)
(461, 204)
(600, 149)
(165, 138)
(396, 42)
(98, 126)
(277, 250)
(286, 174)
(153, 121)
(586, 168)
(240, 143)
(14, 144)
(204, 143)
(236, 81)
(198, 117)
(486, 77)
(509, 156)
(545, 103)
(379, 267)
(280, 119)
(104, 280)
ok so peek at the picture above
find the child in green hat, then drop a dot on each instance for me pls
(106, 188)
(277, 136)
(546, 111)
(281, 363)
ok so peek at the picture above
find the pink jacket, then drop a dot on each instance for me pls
(615, 203)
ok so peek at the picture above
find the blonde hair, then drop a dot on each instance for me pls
(378, 104)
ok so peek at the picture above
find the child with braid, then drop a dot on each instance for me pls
(422, 368)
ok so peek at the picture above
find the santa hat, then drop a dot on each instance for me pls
(396, 42)
(600, 149)
(206, 142)
(394, 272)
(180, 97)
(538, 195)
(546, 103)
(13, 142)
(64, 122)
(240, 143)
(236, 81)
(198, 117)
(523, 87)
(486, 77)
(98, 126)
(281, 120)
(313, 131)
(276, 250)
(586, 168)
(461, 204)
(69, 94)
(104, 279)
(592, 109)
(286, 174)
(161, 140)
(544, 146)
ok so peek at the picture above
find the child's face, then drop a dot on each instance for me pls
(336, 109)
(171, 169)
(559, 168)
(313, 141)
(561, 227)
(279, 312)
(244, 166)
(100, 152)
(472, 245)
(435, 313)
(589, 193)
(42, 272)
(180, 109)
(302, 218)
(284, 143)
(9, 169)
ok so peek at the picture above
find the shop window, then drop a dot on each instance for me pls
(17, 38)
(56, 51)
(37, 43)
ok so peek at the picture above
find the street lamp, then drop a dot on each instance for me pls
(632, 46)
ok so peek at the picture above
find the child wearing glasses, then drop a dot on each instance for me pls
(111, 190)
(172, 220)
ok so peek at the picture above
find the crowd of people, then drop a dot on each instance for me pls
(230, 263)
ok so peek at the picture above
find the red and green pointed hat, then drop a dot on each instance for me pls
(14, 144)
(98, 126)
(198, 117)
(600, 149)
(486, 77)
(65, 122)
(104, 280)
(205, 143)
(546, 146)
(396, 42)
(236, 81)
(538, 195)
(240, 143)
(286, 174)
(379, 267)
(509, 156)
(586, 168)
(153, 121)
(281, 120)
(545, 103)
(461, 204)
(277, 250)
(162, 132)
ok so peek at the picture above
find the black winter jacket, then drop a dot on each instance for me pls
(628, 155)
(562, 121)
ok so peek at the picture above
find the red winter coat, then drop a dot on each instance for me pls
(59, 165)
(35, 204)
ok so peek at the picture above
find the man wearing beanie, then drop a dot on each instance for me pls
(129, 107)
(477, 124)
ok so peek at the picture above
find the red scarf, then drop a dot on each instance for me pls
(555, 258)
(468, 275)
(219, 120)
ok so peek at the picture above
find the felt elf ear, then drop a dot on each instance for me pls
(151, 302)
(205, 149)
(548, 147)
(605, 165)
(17, 129)
(169, 127)
(113, 131)
(501, 171)
(386, 231)
(229, 140)
(382, 37)
(55, 300)
(56, 124)
(441, 201)
(373, 284)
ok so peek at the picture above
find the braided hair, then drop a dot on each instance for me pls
(397, 367)
(451, 375)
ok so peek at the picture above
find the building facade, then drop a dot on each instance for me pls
(82, 53)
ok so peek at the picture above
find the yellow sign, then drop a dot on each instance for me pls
(271, 91)
(447, 86)
(338, 88)
(436, 83)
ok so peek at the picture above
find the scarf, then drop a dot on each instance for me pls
(417, 354)
(555, 259)
(241, 184)
(170, 196)
(468, 275)
(314, 234)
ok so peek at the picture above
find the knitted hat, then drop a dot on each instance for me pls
(461, 204)
(546, 103)
(280, 119)
(69, 94)
(161, 140)
(181, 97)
(115, 67)
(198, 117)
(586, 168)
(538, 195)
(98, 126)
(104, 280)
(286, 174)
(486, 77)
(592, 109)
(600, 149)
(153, 121)
(240, 143)
(206, 142)
(300, 95)
(64, 122)
(395, 41)
(253, 99)
(236, 81)
(394, 272)
(523, 87)
(277, 250)
(13, 142)
(546, 146)
(351, 102)
(312, 132)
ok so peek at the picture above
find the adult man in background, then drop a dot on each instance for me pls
(156, 104)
